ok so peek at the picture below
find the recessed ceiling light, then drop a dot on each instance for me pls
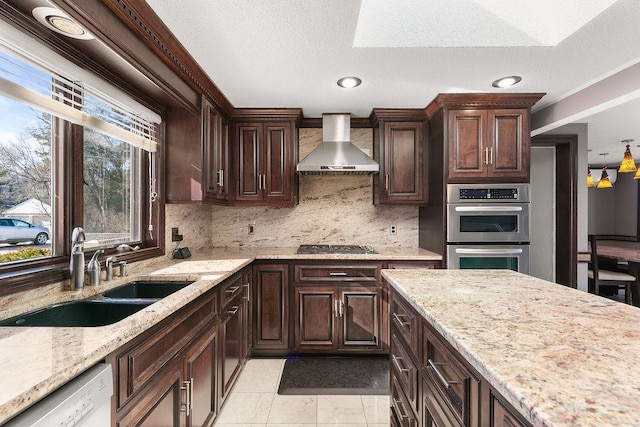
(58, 21)
(505, 82)
(349, 82)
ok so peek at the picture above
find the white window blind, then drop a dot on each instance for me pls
(89, 102)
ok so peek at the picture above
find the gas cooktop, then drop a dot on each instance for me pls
(336, 249)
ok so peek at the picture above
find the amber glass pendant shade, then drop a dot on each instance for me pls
(637, 175)
(604, 180)
(627, 164)
(590, 182)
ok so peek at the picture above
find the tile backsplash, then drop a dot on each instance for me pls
(331, 210)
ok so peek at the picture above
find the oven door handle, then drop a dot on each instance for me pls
(483, 251)
(488, 208)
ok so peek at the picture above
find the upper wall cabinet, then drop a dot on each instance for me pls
(215, 131)
(197, 156)
(265, 157)
(486, 137)
(399, 148)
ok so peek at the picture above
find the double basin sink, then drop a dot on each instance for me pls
(107, 308)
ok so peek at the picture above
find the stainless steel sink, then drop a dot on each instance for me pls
(83, 313)
(146, 290)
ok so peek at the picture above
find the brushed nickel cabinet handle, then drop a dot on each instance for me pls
(337, 273)
(248, 286)
(396, 361)
(486, 156)
(386, 182)
(400, 409)
(399, 321)
(233, 310)
(490, 155)
(341, 307)
(435, 369)
(221, 178)
(232, 290)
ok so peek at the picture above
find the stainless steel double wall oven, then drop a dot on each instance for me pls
(488, 226)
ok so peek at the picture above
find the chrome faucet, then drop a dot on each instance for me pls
(93, 268)
(76, 262)
(108, 264)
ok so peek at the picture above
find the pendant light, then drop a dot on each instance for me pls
(637, 175)
(590, 182)
(604, 179)
(627, 164)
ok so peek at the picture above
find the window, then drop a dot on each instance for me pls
(74, 151)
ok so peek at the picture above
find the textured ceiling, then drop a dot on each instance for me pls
(290, 53)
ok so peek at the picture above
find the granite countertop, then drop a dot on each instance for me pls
(562, 357)
(34, 361)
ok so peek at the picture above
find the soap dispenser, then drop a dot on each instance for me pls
(93, 268)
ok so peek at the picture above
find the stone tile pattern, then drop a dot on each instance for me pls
(562, 357)
(332, 210)
(254, 402)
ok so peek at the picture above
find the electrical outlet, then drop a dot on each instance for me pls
(252, 228)
(393, 229)
(175, 237)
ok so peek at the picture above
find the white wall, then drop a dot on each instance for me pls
(543, 213)
(581, 130)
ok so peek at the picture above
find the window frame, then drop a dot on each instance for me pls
(67, 187)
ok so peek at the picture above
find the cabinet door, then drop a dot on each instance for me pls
(277, 173)
(271, 307)
(404, 175)
(163, 404)
(249, 136)
(201, 364)
(248, 315)
(216, 144)
(316, 312)
(231, 326)
(501, 416)
(508, 132)
(467, 154)
(360, 314)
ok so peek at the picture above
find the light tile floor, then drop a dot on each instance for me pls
(254, 402)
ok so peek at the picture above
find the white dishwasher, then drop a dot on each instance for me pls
(84, 401)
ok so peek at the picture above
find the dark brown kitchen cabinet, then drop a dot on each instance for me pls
(215, 131)
(197, 156)
(339, 308)
(481, 137)
(330, 318)
(400, 149)
(489, 144)
(266, 155)
(247, 331)
(232, 325)
(168, 376)
(270, 308)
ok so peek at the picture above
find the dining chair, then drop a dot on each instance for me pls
(607, 278)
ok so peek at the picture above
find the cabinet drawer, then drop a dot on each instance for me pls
(405, 371)
(230, 289)
(501, 416)
(451, 378)
(435, 411)
(337, 273)
(401, 413)
(138, 364)
(405, 322)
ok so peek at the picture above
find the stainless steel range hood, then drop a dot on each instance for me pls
(336, 155)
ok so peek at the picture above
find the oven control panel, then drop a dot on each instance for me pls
(488, 193)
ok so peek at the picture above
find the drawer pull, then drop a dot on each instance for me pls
(337, 273)
(396, 361)
(232, 290)
(446, 383)
(399, 321)
(248, 286)
(233, 310)
(400, 409)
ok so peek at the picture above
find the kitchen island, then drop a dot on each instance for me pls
(559, 356)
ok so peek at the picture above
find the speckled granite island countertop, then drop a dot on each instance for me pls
(562, 357)
(36, 361)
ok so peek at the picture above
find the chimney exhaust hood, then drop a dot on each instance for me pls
(336, 155)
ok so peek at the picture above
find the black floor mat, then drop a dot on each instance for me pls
(335, 375)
